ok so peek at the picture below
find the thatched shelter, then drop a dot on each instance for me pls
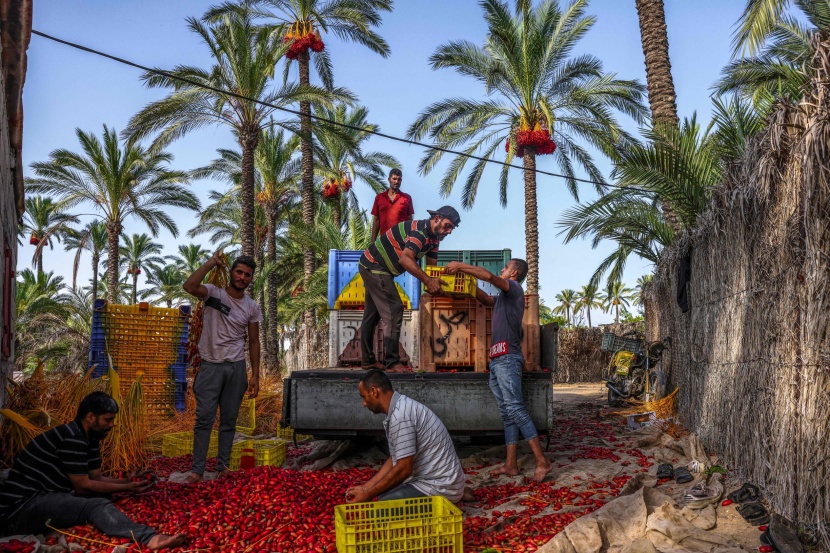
(752, 354)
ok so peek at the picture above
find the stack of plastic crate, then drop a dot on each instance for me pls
(143, 341)
(347, 296)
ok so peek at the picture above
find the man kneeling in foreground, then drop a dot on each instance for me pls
(422, 460)
(57, 480)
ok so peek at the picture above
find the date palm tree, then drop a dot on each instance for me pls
(637, 295)
(567, 302)
(341, 158)
(139, 252)
(45, 225)
(245, 56)
(92, 238)
(166, 284)
(661, 92)
(277, 182)
(118, 183)
(774, 45)
(530, 83)
(41, 308)
(587, 299)
(189, 258)
(681, 165)
(614, 296)
(299, 24)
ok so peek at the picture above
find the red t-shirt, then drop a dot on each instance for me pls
(390, 213)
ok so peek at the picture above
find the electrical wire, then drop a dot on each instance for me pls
(324, 119)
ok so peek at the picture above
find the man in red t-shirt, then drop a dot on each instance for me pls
(391, 206)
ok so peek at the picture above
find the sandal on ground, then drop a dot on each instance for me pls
(754, 513)
(748, 493)
(682, 475)
(665, 471)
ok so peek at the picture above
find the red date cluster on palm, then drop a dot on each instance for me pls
(302, 38)
(332, 188)
(34, 240)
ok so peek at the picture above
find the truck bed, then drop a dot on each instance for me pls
(326, 404)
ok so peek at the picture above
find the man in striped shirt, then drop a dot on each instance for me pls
(397, 250)
(422, 460)
(57, 480)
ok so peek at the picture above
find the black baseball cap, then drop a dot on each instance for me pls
(448, 212)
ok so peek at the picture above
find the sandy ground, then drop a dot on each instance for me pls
(730, 523)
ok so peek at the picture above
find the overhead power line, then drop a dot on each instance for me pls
(323, 119)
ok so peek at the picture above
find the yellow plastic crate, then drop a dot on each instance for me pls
(460, 285)
(287, 433)
(181, 443)
(354, 294)
(400, 526)
(268, 453)
(246, 423)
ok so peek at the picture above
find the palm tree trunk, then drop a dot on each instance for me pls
(135, 284)
(272, 350)
(531, 221)
(96, 262)
(248, 140)
(114, 229)
(40, 261)
(588, 309)
(307, 163)
(617, 317)
(661, 92)
(337, 213)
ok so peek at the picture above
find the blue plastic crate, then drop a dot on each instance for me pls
(343, 268)
(179, 396)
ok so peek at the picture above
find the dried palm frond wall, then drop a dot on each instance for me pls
(579, 358)
(752, 355)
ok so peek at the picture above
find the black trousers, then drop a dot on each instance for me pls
(66, 510)
(382, 303)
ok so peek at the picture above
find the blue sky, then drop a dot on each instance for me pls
(66, 88)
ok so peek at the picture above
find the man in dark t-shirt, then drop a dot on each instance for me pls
(57, 480)
(391, 206)
(397, 250)
(507, 361)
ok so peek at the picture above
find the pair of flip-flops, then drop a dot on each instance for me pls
(750, 508)
(681, 475)
(782, 536)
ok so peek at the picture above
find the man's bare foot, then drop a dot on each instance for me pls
(542, 471)
(164, 541)
(469, 496)
(222, 473)
(509, 471)
(192, 478)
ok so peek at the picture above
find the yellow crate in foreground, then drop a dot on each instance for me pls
(457, 285)
(181, 443)
(403, 525)
(246, 422)
(268, 453)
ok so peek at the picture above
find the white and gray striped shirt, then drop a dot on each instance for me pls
(413, 429)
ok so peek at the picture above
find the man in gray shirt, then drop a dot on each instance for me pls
(229, 317)
(422, 460)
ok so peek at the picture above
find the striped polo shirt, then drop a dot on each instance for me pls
(384, 255)
(45, 464)
(413, 429)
